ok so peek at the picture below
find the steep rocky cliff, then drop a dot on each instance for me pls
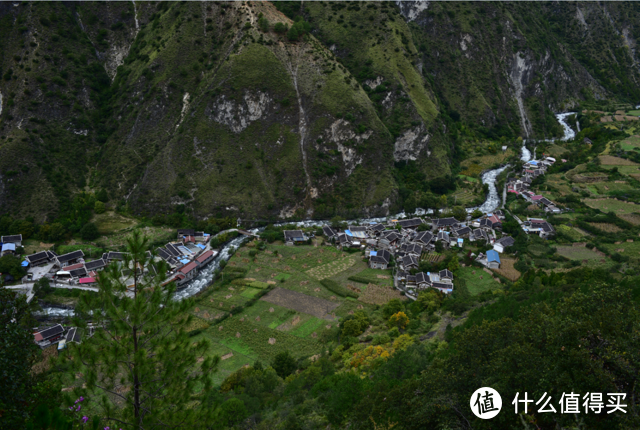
(509, 65)
(203, 107)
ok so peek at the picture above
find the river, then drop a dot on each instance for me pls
(205, 277)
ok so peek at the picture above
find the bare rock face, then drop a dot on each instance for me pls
(342, 134)
(411, 9)
(411, 144)
(238, 115)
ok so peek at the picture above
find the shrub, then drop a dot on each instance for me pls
(381, 339)
(263, 23)
(284, 364)
(42, 287)
(394, 306)
(280, 28)
(99, 207)
(399, 320)
(89, 231)
(359, 279)
(338, 289)
(354, 325)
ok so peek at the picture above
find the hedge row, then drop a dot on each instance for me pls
(360, 279)
(338, 289)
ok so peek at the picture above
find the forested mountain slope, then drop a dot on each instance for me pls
(206, 108)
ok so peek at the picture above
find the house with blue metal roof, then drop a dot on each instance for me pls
(490, 260)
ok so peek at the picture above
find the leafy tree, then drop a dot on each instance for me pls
(18, 353)
(55, 232)
(399, 320)
(99, 207)
(42, 287)
(454, 264)
(102, 196)
(263, 23)
(143, 357)
(403, 341)
(280, 28)
(23, 227)
(89, 231)
(337, 222)
(284, 364)
(477, 213)
(430, 300)
(232, 412)
(392, 307)
(10, 264)
(298, 29)
(354, 325)
(459, 212)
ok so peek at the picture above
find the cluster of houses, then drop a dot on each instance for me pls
(185, 257)
(520, 186)
(407, 241)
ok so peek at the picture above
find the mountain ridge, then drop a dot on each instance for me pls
(198, 108)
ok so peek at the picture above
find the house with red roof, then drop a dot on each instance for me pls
(205, 258)
(186, 273)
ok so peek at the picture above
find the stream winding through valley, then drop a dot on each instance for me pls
(205, 277)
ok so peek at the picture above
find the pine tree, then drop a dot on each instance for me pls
(142, 361)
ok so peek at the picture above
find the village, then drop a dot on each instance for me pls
(185, 257)
(403, 244)
(397, 244)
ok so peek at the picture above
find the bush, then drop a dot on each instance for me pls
(99, 207)
(42, 287)
(89, 231)
(284, 364)
(354, 325)
(263, 23)
(359, 279)
(394, 306)
(11, 265)
(338, 289)
(399, 320)
(381, 339)
(280, 28)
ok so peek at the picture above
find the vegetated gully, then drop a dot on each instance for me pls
(205, 277)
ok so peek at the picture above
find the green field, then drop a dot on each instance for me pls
(468, 178)
(609, 205)
(479, 282)
(292, 330)
(111, 222)
(579, 253)
(463, 197)
(607, 187)
(630, 142)
(631, 249)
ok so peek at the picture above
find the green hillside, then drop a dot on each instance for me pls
(210, 110)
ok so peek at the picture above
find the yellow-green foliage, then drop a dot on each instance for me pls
(399, 320)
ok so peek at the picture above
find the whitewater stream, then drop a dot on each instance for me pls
(205, 277)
